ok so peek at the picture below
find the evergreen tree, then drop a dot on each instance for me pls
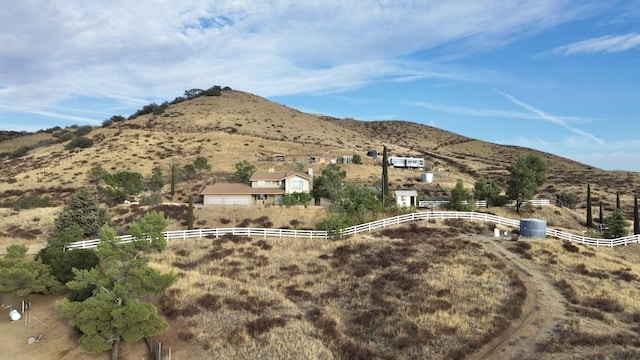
(616, 225)
(600, 216)
(201, 165)
(245, 170)
(190, 214)
(21, 277)
(96, 174)
(330, 183)
(175, 175)
(486, 189)
(589, 215)
(617, 200)
(636, 221)
(525, 176)
(156, 182)
(81, 209)
(116, 310)
(386, 197)
(121, 185)
(459, 196)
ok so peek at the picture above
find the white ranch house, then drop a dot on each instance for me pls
(265, 188)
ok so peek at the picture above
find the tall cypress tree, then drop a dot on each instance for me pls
(636, 221)
(589, 215)
(385, 178)
(600, 217)
(190, 214)
(617, 200)
(174, 178)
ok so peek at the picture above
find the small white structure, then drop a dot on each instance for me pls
(427, 177)
(14, 315)
(405, 198)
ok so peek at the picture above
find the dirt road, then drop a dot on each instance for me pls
(543, 311)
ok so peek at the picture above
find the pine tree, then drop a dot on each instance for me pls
(525, 176)
(81, 209)
(616, 225)
(116, 310)
(589, 215)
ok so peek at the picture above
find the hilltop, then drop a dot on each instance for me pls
(424, 290)
(238, 126)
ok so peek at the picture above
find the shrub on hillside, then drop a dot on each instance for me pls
(566, 199)
(64, 136)
(83, 130)
(151, 199)
(30, 201)
(79, 142)
(22, 151)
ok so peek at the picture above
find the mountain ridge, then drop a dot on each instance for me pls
(239, 126)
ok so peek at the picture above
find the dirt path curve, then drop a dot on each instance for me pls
(543, 311)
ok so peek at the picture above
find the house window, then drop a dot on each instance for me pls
(261, 183)
(296, 184)
(260, 197)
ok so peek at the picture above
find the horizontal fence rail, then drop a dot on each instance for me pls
(370, 226)
(479, 203)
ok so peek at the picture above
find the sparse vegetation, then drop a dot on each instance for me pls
(404, 303)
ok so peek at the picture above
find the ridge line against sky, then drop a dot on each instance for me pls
(554, 75)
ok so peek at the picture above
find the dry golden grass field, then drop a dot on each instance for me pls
(429, 290)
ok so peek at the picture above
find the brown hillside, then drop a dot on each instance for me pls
(240, 126)
(429, 290)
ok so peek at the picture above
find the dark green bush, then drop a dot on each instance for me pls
(22, 151)
(30, 201)
(65, 136)
(296, 198)
(83, 130)
(566, 199)
(79, 142)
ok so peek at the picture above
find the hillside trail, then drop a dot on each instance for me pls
(544, 310)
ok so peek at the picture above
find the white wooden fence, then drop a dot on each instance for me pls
(374, 225)
(479, 203)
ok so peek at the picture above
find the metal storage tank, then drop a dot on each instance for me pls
(533, 228)
(427, 177)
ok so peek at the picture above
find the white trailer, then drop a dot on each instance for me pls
(405, 162)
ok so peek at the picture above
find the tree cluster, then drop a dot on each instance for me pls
(113, 308)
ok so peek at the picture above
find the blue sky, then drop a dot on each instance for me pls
(560, 76)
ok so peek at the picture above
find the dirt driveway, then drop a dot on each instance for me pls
(543, 312)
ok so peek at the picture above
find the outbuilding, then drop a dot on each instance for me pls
(406, 198)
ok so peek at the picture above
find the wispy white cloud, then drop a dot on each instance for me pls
(550, 118)
(484, 112)
(128, 51)
(602, 44)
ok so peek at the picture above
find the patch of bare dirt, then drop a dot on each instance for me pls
(59, 341)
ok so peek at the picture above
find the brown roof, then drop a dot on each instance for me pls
(237, 189)
(274, 176)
